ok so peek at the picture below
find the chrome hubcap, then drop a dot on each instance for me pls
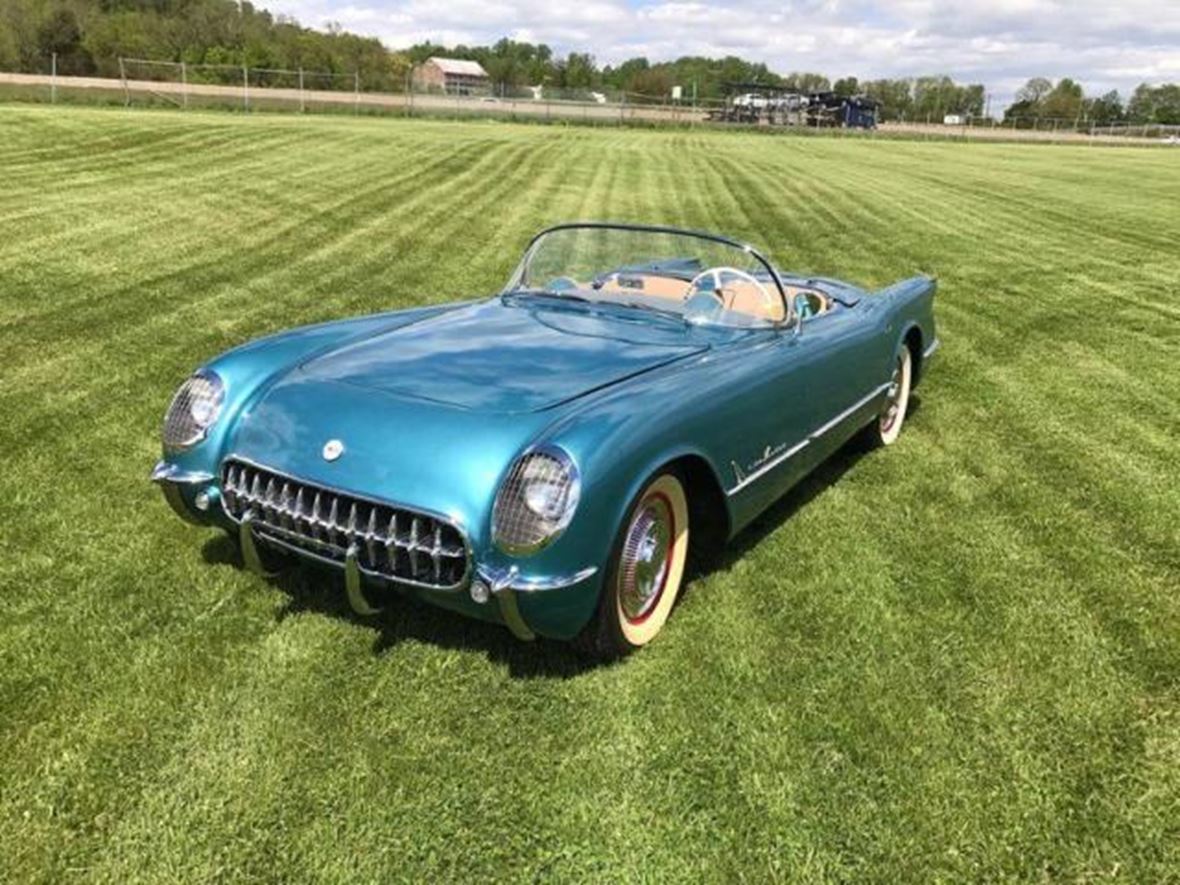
(647, 554)
(893, 400)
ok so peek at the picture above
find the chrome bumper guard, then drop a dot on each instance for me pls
(506, 583)
(170, 479)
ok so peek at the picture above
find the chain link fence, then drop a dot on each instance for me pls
(150, 82)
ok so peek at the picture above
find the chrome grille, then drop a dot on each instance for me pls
(391, 542)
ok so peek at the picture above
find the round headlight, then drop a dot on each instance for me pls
(536, 501)
(194, 409)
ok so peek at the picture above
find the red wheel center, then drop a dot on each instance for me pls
(647, 554)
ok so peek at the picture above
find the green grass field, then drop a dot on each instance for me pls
(957, 658)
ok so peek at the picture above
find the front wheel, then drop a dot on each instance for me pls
(886, 429)
(645, 572)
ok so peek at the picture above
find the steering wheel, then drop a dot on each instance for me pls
(715, 274)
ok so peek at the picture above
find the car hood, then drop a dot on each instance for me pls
(504, 356)
(408, 451)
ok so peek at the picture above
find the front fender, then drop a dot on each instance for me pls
(618, 442)
(250, 369)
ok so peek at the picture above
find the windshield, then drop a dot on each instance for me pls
(695, 276)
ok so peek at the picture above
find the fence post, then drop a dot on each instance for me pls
(53, 81)
(245, 88)
(302, 100)
(356, 87)
(184, 83)
(123, 77)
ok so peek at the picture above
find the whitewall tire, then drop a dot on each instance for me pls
(887, 427)
(646, 570)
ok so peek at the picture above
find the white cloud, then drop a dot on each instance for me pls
(999, 42)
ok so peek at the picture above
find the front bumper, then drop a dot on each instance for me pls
(195, 496)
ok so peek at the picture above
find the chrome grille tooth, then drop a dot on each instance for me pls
(414, 546)
(298, 507)
(269, 511)
(285, 505)
(315, 516)
(256, 490)
(434, 552)
(350, 531)
(333, 515)
(371, 537)
(391, 542)
(229, 489)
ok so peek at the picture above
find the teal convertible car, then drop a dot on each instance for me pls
(546, 458)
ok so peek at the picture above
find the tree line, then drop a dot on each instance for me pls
(89, 36)
(1066, 101)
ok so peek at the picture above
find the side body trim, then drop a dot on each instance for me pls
(809, 439)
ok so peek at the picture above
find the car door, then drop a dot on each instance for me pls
(763, 421)
(796, 399)
(846, 373)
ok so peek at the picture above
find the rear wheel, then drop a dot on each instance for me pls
(886, 429)
(645, 572)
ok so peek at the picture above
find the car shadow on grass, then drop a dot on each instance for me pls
(404, 618)
(320, 589)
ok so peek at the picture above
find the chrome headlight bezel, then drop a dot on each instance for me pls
(195, 408)
(521, 523)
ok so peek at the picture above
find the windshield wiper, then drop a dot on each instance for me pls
(640, 305)
(546, 293)
(606, 302)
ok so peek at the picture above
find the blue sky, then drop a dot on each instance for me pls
(1105, 45)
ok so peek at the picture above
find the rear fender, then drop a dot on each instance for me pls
(910, 308)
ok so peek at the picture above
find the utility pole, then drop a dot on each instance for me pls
(184, 83)
(53, 81)
(302, 101)
(245, 86)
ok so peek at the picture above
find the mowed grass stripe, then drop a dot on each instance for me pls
(271, 253)
(956, 657)
(252, 213)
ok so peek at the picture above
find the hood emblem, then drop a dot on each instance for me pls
(333, 449)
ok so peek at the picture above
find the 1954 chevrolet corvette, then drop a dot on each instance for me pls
(546, 458)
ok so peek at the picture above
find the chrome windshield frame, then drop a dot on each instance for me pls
(514, 281)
